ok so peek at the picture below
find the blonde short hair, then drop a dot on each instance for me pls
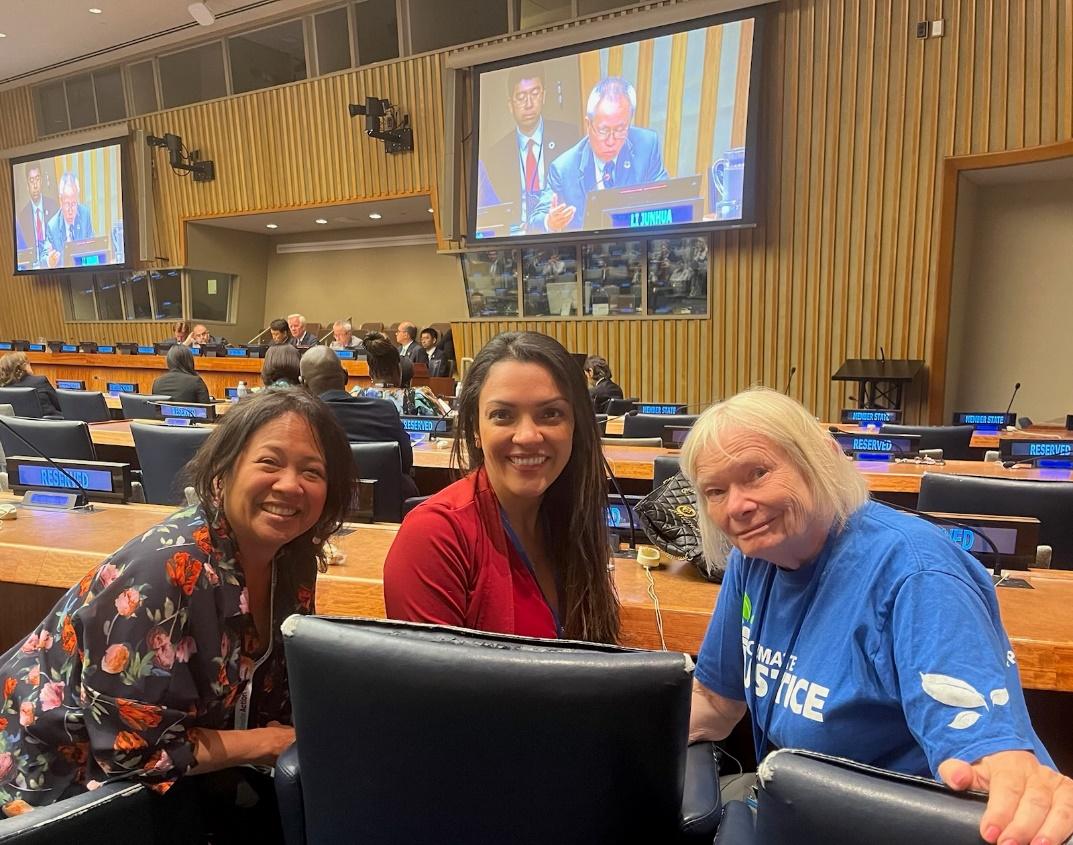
(837, 488)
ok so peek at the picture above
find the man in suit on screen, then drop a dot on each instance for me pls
(71, 223)
(35, 215)
(517, 164)
(613, 154)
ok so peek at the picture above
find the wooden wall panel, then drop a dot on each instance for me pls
(857, 118)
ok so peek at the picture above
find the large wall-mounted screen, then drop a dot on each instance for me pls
(68, 209)
(643, 134)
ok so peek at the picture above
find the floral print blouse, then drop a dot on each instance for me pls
(156, 641)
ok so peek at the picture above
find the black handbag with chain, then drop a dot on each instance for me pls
(668, 516)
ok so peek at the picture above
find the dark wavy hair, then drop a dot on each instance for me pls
(383, 357)
(208, 470)
(574, 506)
(282, 363)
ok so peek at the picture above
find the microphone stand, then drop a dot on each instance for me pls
(257, 336)
(631, 552)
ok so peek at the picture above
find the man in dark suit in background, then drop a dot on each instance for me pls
(34, 217)
(601, 388)
(517, 164)
(433, 356)
(613, 154)
(71, 223)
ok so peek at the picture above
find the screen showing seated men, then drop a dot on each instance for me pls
(640, 135)
(68, 210)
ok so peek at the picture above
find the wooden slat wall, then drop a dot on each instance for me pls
(857, 114)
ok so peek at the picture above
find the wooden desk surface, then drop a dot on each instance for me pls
(55, 549)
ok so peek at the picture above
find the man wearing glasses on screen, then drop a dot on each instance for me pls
(516, 166)
(72, 223)
(613, 154)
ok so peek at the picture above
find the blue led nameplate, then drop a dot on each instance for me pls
(874, 444)
(971, 539)
(984, 420)
(5, 345)
(194, 412)
(66, 384)
(664, 216)
(117, 387)
(236, 352)
(146, 350)
(180, 421)
(231, 392)
(37, 499)
(661, 410)
(68, 347)
(618, 516)
(106, 350)
(344, 354)
(39, 476)
(869, 416)
(675, 435)
(195, 350)
(1060, 451)
(439, 425)
(91, 259)
(37, 347)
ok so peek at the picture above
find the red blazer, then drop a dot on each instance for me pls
(453, 564)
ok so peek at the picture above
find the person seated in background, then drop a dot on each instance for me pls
(343, 336)
(296, 323)
(365, 420)
(281, 366)
(387, 368)
(180, 331)
(434, 357)
(601, 388)
(477, 303)
(199, 336)
(406, 338)
(851, 629)
(279, 331)
(71, 223)
(15, 371)
(181, 382)
(483, 553)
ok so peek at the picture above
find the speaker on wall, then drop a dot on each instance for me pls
(143, 196)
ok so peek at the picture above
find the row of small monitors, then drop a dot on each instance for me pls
(217, 350)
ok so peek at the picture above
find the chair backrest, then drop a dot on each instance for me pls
(652, 425)
(83, 405)
(412, 503)
(585, 743)
(138, 406)
(163, 453)
(23, 401)
(373, 327)
(1051, 502)
(810, 799)
(664, 467)
(381, 461)
(952, 439)
(601, 423)
(653, 442)
(6, 410)
(618, 407)
(56, 438)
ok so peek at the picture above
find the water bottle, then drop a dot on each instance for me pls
(241, 390)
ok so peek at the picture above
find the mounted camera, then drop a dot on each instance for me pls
(182, 159)
(386, 122)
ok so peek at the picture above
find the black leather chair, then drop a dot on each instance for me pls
(664, 467)
(459, 736)
(23, 401)
(113, 814)
(138, 406)
(381, 461)
(163, 452)
(601, 423)
(84, 405)
(952, 439)
(652, 425)
(618, 407)
(1051, 502)
(56, 438)
(411, 503)
(811, 799)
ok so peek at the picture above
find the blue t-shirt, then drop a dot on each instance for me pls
(901, 660)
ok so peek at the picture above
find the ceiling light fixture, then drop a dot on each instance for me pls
(430, 211)
(320, 221)
(271, 226)
(201, 13)
(3, 35)
(95, 11)
(375, 216)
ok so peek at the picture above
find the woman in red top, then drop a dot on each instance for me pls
(520, 544)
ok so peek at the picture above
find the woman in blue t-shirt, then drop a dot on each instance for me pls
(848, 628)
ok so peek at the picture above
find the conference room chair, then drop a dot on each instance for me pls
(601, 423)
(381, 462)
(451, 735)
(652, 425)
(952, 439)
(56, 438)
(618, 407)
(664, 467)
(138, 406)
(85, 405)
(411, 503)
(1051, 502)
(117, 813)
(163, 454)
(812, 799)
(650, 442)
(373, 327)
(23, 401)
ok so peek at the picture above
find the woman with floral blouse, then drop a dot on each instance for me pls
(167, 658)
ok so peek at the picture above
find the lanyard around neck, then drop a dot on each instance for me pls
(532, 571)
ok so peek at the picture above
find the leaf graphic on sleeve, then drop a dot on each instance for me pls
(1000, 696)
(964, 719)
(746, 608)
(952, 691)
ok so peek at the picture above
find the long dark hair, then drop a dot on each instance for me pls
(574, 506)
(181, 359)
(218, 455)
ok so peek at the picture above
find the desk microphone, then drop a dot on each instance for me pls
(882, 355)
(1016, 387)
(82, 500)
(631, 552)
(790, 378)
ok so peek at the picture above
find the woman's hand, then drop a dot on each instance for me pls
(273, 740)
(215, 750)
(1028, 803)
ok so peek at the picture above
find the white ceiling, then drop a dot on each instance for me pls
(49, 38)
(408, 210)
(1054, 170)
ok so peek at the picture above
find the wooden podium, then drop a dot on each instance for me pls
(879, 380)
